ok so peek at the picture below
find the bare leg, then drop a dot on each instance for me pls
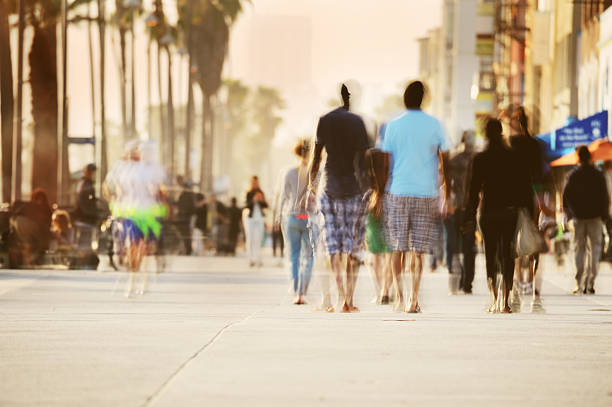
(387, 278)
(352, 271)
(493, 293)
(397, 263)
(416, 270)
(336, 266)
(506, 309)
(326, 304)
(376, 266)
(135, 254)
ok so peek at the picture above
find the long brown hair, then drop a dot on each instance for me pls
(378, 173)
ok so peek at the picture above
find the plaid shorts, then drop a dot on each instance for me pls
(344, 223)
(411, 223)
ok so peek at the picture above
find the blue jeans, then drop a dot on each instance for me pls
(299, 246)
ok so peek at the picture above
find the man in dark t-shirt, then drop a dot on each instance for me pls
(343, 136)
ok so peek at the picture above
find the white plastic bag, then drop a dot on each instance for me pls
(528, 240)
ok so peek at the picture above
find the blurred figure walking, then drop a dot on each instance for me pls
(378, 165)
(255, 222)
(86, 203)
(457, 242)
(186, 209)
(292, 215)
(343, 136)
(417, 144)
(531, 198)
(234, 216)
(586, 201)
(496, 180)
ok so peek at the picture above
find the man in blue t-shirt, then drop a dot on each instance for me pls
(416, 142)
(343, 136)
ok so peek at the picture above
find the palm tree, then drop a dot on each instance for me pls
(121, 21)
(210, 24)
(43, 17)
(6, 102)
(266, 102)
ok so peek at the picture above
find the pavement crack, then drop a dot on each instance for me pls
(155, 396)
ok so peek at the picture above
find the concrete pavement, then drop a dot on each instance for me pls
(213, 332)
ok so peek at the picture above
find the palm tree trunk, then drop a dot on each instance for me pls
(64, 167)
(171, 128)
(133, 79)
(203, 166)
(162, 117)
(102, 33)
(6, 103)
(206, 176)
(92, 86)
(17, 167)
(189, 116)
(43, 84)
(123, 84)
(149, 115)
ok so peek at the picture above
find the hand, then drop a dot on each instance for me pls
(311, 199)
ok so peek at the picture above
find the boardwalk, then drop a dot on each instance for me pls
(215, 333)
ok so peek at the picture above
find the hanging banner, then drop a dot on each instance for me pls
(565, 140)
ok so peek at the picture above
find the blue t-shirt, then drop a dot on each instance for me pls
(413, 140)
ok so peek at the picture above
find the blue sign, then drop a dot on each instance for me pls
(565, 140)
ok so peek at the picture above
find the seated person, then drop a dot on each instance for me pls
(31, 224)
(62, 231)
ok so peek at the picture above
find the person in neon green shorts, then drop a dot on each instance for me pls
(135, 190)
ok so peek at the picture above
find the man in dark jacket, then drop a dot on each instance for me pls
(586, 200)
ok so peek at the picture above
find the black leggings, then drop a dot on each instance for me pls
(498, 231)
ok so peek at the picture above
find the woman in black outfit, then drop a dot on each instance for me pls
(496, 173)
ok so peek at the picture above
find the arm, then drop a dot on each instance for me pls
(605, 198)
(314, 168)
(316, 157)
(444, 157)
(359, 162)
(567, 197)
(474, 182)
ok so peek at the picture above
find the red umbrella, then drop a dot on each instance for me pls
(601, 150)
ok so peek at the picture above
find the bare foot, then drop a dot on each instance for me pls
(506, 310)
(492, 308)
(414, 309)
(354, 308)
(345, 308)
(325, 307)
(399, 306)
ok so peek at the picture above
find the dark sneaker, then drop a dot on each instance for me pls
(590, 291)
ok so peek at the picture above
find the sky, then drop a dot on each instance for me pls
(304, 48)
(371, 42)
